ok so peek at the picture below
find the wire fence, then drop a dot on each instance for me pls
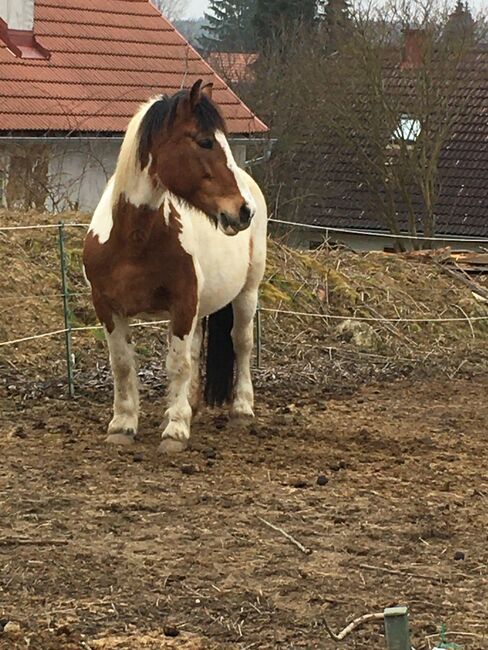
(65, 295)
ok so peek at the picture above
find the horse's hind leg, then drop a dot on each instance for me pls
(195, 381)
(244, 308)
(123, 427)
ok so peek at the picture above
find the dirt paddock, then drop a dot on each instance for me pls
(112, 549)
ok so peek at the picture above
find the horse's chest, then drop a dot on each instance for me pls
(224, 264)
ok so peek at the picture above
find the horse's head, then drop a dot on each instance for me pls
(182, 144)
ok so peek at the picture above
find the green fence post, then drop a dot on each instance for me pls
(258, 336)
(397, 628)
(67, 320)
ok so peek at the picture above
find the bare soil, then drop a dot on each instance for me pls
(109, 549)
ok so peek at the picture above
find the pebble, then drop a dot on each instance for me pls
(335, 467)
(171, 630)
(210, 453)
(137, 458)
(459, 555)
(188, 469)
(322, 480)
(299, 483)
(20, 432)
(11, 628)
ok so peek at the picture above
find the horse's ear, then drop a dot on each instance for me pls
(195, 94)
(207, 90)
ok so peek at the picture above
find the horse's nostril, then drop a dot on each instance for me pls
(245, 214)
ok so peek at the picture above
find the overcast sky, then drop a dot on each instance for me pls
(197, 7)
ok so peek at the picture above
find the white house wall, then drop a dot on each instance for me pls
(78, 173)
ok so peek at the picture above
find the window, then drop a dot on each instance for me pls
(407, 130)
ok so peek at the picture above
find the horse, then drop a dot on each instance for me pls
(179, 234)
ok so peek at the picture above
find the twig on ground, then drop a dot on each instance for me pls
(379, 616)
(397, 572)
(24, 541)
(303, 548)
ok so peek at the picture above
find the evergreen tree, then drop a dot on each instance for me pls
(337, 23)
(460, 26)
(274, 18)
(229, 26)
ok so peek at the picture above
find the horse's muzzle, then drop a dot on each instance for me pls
(231, 226)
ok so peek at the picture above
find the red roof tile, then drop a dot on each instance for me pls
(234, 67)
(105, 60)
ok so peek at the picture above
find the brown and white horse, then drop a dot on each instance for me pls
(179, 233)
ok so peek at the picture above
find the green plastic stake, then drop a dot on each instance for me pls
(67, 321)
(444, 644)
(397, 629)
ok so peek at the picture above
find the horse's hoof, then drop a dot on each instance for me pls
(122, 438)
(242, 414)
(172, 446)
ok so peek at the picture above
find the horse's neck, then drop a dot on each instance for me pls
(139, 190)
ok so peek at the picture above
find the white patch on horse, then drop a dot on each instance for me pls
(102, 220)
(130, 180)
(237, 171)
(166, 208)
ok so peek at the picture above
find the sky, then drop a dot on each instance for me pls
(197, 7)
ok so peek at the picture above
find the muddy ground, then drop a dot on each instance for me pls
(102, 548)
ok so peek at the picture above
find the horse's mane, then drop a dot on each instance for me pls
(157, 113)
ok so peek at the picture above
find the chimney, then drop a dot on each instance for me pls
(20, 15)
(17, 29)
(414, 48)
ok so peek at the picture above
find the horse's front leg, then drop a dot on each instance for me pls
(244, 308)
(123, 427)
(179, 369)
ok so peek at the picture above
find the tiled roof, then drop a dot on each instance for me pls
(234, 67)
(107, 56)
(339, 195)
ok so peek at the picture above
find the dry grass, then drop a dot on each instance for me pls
(336, 283)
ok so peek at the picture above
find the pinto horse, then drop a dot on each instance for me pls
(179, 234)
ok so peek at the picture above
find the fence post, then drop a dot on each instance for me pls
(397, 629)
(67, 320)
(258, 336)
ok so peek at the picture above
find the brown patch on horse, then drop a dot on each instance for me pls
(251, 249)
(142, 268)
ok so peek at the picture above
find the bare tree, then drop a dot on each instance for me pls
(171, 9)
(382, 120)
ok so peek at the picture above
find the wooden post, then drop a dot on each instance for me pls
(258, 336)
(397, 628)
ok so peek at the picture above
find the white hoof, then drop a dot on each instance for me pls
(172, 446)
(175, 438)
(121, 438)
(242, 411)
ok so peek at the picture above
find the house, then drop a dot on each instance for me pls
(72, 74)
(340, 199)
(234, 67)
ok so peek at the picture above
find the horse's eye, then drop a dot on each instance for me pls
(206, 144)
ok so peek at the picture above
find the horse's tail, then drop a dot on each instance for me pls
(219, 380)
